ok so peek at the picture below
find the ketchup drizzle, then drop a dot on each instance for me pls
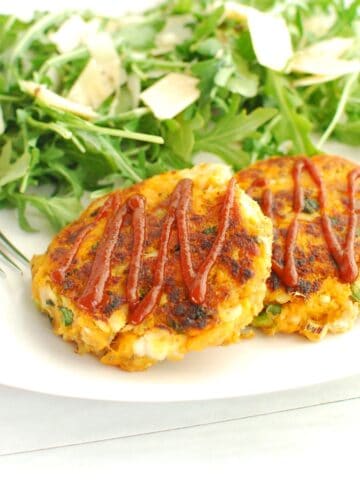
(59, 274)
(344, 256)
(177, 215)
(196, 282)
(101, 268)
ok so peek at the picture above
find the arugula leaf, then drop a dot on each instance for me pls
(209, 47)
(348, 132)
(180, 137)
(293, 126)
(59, 210)
(223, 137)
(205, 71)
(207, 26)
(10, 171)
(131, 37)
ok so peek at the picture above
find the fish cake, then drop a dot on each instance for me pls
(173, 264)
(314, 286)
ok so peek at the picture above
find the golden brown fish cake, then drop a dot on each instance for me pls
(320, 301)
(235, 287)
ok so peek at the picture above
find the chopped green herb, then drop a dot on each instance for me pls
(210, 230)
(67, 316)
(274, 309)
(335, 221)
(310, 205)
(263, 320)
(266, 318)
(50, 302)
(355, 292)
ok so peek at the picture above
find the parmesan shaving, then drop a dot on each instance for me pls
(269, 33)
(323, 59)
(171, 95)
(73, 33)
(101, 76)
(174, 32)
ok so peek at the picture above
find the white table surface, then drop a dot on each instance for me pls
(315, 429)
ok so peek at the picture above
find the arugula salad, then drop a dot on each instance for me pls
(89, 104)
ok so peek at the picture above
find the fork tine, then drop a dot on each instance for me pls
(9, 261)
(12, 248)
(2, 273)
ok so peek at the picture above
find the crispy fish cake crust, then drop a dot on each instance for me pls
(235, 287)
(320, 302)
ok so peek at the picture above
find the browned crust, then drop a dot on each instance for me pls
(313, 260)
(178, 312)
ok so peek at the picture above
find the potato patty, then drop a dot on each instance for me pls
(321, 298)
(95, 311)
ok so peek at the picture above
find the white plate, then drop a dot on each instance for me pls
(31, 357)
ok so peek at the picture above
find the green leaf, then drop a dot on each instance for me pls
(183, 6)
(223, 137)
(180, 138)
(67, 316)
(293, 126)
(59, 210)
(139, 36)
(10, 171)
(208, 47)
(205, 71)
(23, 221)
(70, 176)
(236, 76)
(248, 81)
(348, 132)
(207, 26)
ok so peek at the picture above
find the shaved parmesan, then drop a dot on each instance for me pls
(101, 76)
(102, 49)
(92, 86)
(332, 48)
(271, 40)
(269, 34)
(319, 24)
(171, 95)
(73, 32)
(313, 80)
(327, 66)
(174, 32)
(54, 100)
(322, 59)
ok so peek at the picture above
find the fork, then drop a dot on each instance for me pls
(6, 249)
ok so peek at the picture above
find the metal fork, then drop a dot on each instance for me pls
(7, 249)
